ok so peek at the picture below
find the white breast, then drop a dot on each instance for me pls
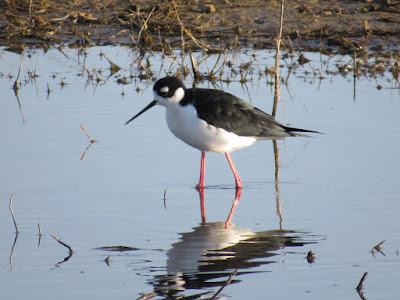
(186, 125)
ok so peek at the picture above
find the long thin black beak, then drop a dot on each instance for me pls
(154, 102)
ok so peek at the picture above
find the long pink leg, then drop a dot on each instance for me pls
(238, 181)
(200, 185)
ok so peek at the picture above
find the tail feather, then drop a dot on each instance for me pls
(293, 130)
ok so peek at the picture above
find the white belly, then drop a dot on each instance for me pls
(185, 125)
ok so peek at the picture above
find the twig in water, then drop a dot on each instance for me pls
(114, 68)
(40, 230)
(355, 75)
(91, 140)
(65, 245)
(16, 233)
(147, 296)
(40, 233)
(165, 198)
(360, 286)
(107, 260)
(12, 213)
(194, 68)
(20, 107)
(86, 150)
(62, 243)
(277, 190)
(378, 248)
(48, 91)
(213, 72)
(12, 252)
(15, 86)
(278, 43)
(311, 257)
(225, 284)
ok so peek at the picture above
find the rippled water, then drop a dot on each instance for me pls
(337, 194)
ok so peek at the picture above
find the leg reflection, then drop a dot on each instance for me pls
(238, 194)
(202, 205)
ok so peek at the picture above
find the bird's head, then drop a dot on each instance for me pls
(167, 91)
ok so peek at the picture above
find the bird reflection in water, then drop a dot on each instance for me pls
(205, 257)
(238, 194)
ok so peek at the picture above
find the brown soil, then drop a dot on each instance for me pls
(342, 26)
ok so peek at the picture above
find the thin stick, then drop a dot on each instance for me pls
(165, 198)
(12, 251)
(60, 19)
(278, 43)
(355, 75)
(200, 44)
(57, 265)
(194, 68)
(144, 25)
(20, 106)
(378, 248)
(62, 243)
(86, 150)
(48, 91)
(107, 260)
(16, 233)
(147, 296)
(114, 68)
(12, 213)
(277, 190)
(15, 86)
(225, 284)
(360, 285)
(30, 9)
(40, 233)
(91, 140)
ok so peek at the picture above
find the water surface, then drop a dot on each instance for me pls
(337, 194)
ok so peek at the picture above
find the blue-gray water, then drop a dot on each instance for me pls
(338, 193)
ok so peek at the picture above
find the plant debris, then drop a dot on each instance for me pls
(342, 26)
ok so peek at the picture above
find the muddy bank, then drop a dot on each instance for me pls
(338, 26)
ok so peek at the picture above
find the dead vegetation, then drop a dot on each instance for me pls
(312, 25)
(367, 31)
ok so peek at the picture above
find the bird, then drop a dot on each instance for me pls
(212, 120)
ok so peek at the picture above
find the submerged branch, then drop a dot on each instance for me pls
(65, 245)
(360, 286)
(224, 285)
(12, 213)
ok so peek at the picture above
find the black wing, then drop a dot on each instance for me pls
(227, 111)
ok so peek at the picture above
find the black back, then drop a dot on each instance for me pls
(227, 111)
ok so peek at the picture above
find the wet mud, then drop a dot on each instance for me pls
(338, 26)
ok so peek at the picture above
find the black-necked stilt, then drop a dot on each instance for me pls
(213, 120)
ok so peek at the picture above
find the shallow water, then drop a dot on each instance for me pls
(337, 193)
